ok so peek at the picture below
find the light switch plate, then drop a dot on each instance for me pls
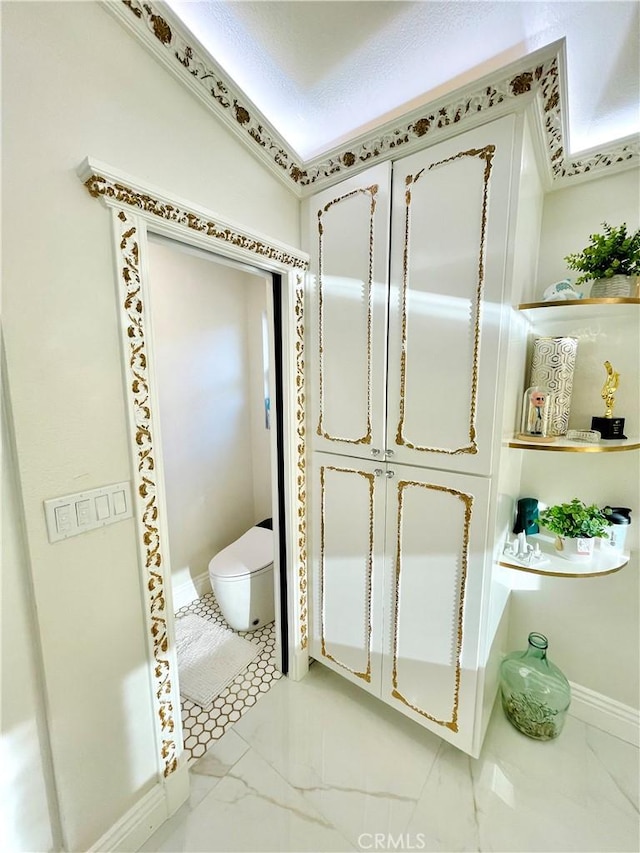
(74, 514)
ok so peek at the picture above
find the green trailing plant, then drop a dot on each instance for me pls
(575, 520)
(616, 252)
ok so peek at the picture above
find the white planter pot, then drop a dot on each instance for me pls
(575, 549)
(617, 285)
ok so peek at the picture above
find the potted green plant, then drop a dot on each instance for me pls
(611, 261)
(576, 527)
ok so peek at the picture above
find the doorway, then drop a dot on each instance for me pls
(136, 210)
(217, 362)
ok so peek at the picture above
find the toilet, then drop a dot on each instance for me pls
(241, 577)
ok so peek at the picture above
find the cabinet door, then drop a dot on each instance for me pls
(449, 247)
(348, 241)
(346, 537)
(436, 542)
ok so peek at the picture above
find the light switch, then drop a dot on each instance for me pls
(83, 512)
(63, 518)
(119, 503)
(71, 515)
(102, 507)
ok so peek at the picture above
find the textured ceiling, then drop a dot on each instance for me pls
(322, 72)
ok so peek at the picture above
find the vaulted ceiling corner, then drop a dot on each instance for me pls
(538, 80)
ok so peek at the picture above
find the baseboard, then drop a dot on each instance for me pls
(177, 787)
(187, 591)
(298, 665)
(604, 713)
(148, 815)
(138, 824)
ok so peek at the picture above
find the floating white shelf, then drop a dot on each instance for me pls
(605, 561)
(563, 445)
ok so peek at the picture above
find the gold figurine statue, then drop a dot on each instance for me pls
(609, 389)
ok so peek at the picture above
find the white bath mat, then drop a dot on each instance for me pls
(209, 658)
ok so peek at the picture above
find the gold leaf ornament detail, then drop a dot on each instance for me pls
(98, 186)
(146, 506)
(242, 115)
(522, 84)
(301, 479)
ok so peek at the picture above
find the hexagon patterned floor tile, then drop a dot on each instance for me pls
(201, 726)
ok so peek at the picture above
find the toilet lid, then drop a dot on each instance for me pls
(250, 553)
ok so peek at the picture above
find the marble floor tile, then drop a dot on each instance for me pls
(620, 759)
(319, 765)
(445, 817)
(221, 757)
(523, 795)
(251, 808)
(553, 795)
(357, 761)
(217, 761)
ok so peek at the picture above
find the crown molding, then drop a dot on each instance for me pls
(158, 29)
(615, 156)
(536, 82)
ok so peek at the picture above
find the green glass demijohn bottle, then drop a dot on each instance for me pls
(535, 694)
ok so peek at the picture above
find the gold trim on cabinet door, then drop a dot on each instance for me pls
(467, 500)
(366, 438)
(366, 675)
(486, 154)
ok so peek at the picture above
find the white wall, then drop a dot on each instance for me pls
(205, 378)
(75, 83)
(25, 784)
(260, 435)
(573, 213)
(593, 624)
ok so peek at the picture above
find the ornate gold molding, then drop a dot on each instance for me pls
(370, 478)
(533, 78)
(159, 29)
(467, 500)
(614, 154)
(99, 185)
(147, 510)
(129, 206)
(301, 461)
(372, 192)
(462, 108)
(485, 154)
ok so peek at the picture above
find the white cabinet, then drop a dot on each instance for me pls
(435, 403)
(450, 231)
(348, 229)
(436, 538)
(398, 559)
(406, 361)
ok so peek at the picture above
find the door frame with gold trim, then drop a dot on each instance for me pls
(137, 210)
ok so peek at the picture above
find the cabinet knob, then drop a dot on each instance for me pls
(375, 451)
(389, 452)
(390, 474)
(378, 472)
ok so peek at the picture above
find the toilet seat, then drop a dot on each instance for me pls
(248, 555)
